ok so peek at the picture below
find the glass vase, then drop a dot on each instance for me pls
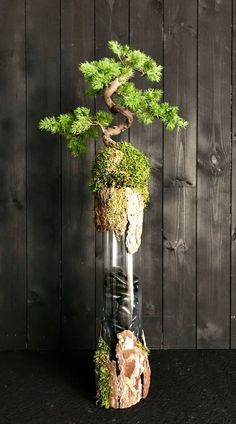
(121, 359)
(122, 306)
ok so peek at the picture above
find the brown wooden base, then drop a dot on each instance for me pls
(129, 374)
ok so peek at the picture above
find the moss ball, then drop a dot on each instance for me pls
(121, 166)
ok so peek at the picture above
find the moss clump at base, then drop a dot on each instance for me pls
(101, 359)
(121, 166)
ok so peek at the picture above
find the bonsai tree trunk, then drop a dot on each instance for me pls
(114, 108)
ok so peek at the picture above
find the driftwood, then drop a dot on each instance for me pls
(120, 210)
(132, 381)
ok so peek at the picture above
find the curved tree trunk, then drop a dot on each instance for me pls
(114, 108)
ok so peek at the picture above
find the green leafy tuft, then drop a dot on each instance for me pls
(77, 128)
(137, 60)
(99, 73)
(103, 118)
(145, 103)
(49, 124)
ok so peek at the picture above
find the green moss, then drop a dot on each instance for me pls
(101, 359)
(145, 349)
(121, 166)
(117, 210)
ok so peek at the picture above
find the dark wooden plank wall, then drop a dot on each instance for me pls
(146, 33)
(179, 206)
(233, 182)
(12, 177)
(50, 257)
(213, 180)
(78, 234)
(43, 175)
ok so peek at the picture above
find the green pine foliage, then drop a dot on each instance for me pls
(100, 73)
(79, 126)
(103, 118)
(137, 61)
(146, 104)
(121, 166)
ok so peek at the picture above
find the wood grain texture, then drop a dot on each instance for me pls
(180, 88)
(12, 177)
(214, 142)
(111, 23)
(146, 34)
(233, 184)
(179, 268)
(78, 239)
(43, 174)
(179, 256)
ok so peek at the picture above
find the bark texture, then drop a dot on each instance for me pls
(132, 382)
(134, 222)
(121, 211)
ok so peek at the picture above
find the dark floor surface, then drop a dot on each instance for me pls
(187, 387)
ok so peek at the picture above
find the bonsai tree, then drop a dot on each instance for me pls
(108, 77)
(119, 180)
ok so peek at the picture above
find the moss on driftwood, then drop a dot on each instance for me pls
(101, 359)
(120, 210)
(121, 166)
(117, 210)
(124, 380)
(144, 348)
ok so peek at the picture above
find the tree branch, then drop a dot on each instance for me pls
(116, 129)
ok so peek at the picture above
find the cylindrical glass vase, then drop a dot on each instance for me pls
(122, 306)
(121, 359)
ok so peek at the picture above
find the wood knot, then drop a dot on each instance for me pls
(234, 235)
(215, 166)
(177, 245)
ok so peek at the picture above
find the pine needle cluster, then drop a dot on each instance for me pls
(78, 127)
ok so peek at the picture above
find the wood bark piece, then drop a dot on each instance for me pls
(120, 210)
(135, 222)
(132, 381)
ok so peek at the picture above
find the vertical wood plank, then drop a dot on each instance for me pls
(179, 256)
(111, 23)
(43, 174)
(214, 142)
(146, 35)
(78, 239)
(233, 184)
(180, 268)
(180, 71)
(12, 177)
